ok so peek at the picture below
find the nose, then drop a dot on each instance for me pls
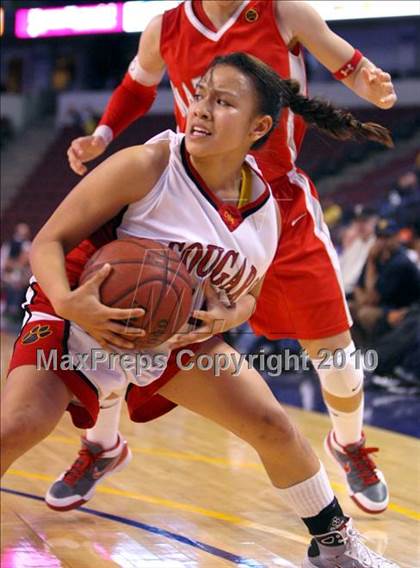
(202, 109)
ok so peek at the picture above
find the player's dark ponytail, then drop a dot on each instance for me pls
(336, 122)
(276, 93)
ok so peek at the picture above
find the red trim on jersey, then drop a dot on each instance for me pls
(197, 6)
(231, 215)
(128, 102)
(25, 352)
(349, 67)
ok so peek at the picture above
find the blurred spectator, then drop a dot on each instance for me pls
(73, 118)
(357, 242)
(63, 74)
(388, 286)
(403, 201)
(332, 213)
(416, 241)
(89, 120)
(399, 349)
(14, 75)
(417, 163)
(15, 270)
(6, 131)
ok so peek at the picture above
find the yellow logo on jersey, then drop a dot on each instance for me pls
(251, 15)
(36, 333)
(228, 217)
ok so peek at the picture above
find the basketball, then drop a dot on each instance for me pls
(145, 274)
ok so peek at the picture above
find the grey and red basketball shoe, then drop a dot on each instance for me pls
(77, 485)
(366, 483)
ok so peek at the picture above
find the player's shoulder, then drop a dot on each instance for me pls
(139, 167)
(154, 157)
(292, 10)
(296, 16)
(153, 28)
(291, 5)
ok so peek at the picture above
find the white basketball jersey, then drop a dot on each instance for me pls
(231, 247)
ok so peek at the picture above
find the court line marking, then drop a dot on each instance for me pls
(213, 550)
(178, 506)
(184, 456)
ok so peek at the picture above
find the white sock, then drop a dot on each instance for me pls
(105, 431)
(309, 497)
(347, 426)
(342, 376)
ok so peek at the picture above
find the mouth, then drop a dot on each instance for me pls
(199, 132)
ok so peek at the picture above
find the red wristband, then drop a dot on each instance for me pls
(349, 67)
(129, 101)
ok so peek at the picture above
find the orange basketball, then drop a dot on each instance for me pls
(145, 274)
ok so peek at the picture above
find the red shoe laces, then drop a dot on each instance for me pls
(364, 465)
(82, 463)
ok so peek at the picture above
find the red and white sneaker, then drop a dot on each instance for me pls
(366, 483)
(77, 485)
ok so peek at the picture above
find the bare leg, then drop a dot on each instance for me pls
(33, 401)
(245, 405)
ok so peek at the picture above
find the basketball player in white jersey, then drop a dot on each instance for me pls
(236, 106)
(305, 274)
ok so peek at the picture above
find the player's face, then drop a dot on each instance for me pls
(223, 116)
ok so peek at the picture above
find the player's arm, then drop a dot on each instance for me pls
(137, 91)
(130, 100)
(303, 24)
(122, 179)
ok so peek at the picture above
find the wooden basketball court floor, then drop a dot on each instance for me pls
(193, 496)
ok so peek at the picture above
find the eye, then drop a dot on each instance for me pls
(197, 97)
(223, 102)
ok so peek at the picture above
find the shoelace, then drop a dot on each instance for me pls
(363, 554)
(82, 463)
(364, 465)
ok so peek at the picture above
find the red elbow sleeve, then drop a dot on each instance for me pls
(128, 102)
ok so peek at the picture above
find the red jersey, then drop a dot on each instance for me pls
(189, 43)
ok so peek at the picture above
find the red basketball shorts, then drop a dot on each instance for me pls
(302, 295)
(44, 341)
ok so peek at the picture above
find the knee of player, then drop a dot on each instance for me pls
(274, 430)
(16, 431)
(11, 436)
(341, 375)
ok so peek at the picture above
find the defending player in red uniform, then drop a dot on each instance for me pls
(302, 296)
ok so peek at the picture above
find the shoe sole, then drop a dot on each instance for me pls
(125, 460)
(330, 452)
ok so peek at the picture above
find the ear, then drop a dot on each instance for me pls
(260, 127)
